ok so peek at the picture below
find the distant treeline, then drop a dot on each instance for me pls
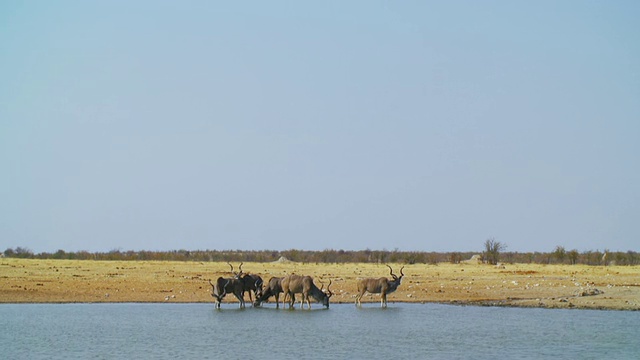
(558, 256)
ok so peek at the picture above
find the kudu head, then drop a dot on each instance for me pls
(219, 289)
(259, 290)
(396, 279)
(327, 294)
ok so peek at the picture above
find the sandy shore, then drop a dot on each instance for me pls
(528, 285)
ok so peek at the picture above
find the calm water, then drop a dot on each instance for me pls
(402, 331)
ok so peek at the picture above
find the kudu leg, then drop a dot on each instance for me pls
(240, 299)
(359, 299)
(292, 299)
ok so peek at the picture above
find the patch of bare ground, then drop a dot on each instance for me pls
(523, 285)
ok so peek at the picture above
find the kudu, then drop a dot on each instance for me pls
(224, 286)
(273, 288)
(297, 284)
(382, 286)
(250, 282)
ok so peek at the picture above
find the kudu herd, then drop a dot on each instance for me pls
(293, 284)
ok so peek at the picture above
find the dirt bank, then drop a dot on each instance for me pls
(551, 286)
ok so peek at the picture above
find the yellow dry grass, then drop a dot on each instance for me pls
(556, 286)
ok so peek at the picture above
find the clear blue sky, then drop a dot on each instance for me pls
(429, 126)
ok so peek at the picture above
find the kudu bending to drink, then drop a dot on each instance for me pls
(382, 286)
(297, 284)
(223, 286)
(273, 288)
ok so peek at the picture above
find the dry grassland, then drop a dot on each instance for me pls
(530, 285)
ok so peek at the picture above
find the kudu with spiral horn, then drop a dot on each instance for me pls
(224, 286)
(250, 283)
(382, 286)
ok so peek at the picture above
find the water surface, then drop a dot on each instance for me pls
(162, 331)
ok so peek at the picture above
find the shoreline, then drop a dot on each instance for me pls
(369, 304)
(35, 281)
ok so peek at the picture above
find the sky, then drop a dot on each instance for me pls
(276, 125)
